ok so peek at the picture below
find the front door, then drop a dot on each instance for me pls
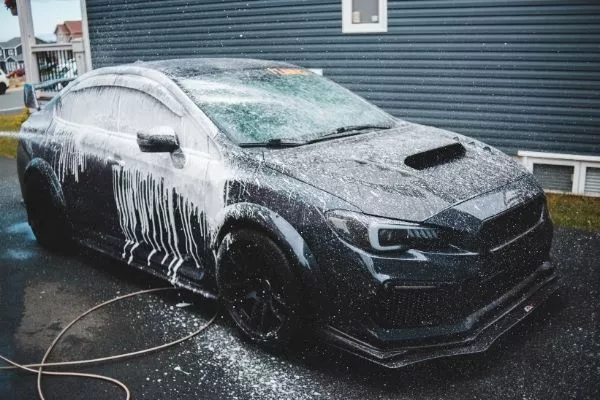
(158, 200)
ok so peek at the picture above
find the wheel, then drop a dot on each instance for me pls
(45, 212)
(3, 88)
(258, 288)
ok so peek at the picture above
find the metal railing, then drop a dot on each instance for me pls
(56, 65)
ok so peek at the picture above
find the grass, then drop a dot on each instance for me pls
(12, 122)
(575, 211)
(566, 210)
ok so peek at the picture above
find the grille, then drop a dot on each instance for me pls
(511, 223)
(405, 307)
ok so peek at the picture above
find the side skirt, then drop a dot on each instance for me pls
(154, 268)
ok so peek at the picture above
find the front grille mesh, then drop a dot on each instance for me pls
(510, 224)
(405, 307)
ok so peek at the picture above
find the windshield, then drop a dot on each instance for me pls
(259, 105)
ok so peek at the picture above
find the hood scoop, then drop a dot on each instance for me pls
(437, 156)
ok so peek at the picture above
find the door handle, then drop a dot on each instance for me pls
(115, 160)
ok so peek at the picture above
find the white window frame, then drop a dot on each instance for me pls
(583, 175)
(579, 163)
(376, 27)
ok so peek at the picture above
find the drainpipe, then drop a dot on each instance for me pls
(27, 40)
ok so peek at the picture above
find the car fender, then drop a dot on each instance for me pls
(280, 230)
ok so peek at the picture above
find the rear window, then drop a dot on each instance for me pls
(257, 105)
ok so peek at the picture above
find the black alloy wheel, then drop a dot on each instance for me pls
(257, 287)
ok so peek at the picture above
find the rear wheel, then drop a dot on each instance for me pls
(3, 88)
(258, 288)
(45, 211)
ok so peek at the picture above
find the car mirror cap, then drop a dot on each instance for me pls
(162, 139)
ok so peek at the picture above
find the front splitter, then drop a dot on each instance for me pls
(524, 298)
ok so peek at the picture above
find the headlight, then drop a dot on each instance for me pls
(383, 234)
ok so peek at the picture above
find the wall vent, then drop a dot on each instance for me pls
(554, 177)
(592, 181)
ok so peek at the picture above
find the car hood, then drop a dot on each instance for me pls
(369, 170)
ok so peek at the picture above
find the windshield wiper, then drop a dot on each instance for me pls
(338, 132)
(274, 143)
(347, 131)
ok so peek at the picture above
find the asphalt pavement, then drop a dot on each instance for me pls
(554, 354)
(11, 101)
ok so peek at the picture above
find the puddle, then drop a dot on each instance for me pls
(21, 228)
(19, 255)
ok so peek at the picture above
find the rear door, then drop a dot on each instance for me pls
(85, 118)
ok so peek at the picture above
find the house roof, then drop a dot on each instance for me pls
(72, 27)
(16, 41)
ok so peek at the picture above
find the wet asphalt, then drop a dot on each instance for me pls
(554, 354)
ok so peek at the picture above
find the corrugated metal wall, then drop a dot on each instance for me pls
(518, 74)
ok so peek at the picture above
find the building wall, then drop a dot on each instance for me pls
(518, 74)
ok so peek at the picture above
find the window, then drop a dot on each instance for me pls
(11, 52)
(256, 105)
(364, 16)
(139, 111)
(94, 106)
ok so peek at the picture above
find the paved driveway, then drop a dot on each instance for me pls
(11, 101)
(553, 355)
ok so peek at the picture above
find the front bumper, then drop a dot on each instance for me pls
(477, 334)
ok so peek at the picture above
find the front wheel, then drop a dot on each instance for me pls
(258, 288)
(3, 88)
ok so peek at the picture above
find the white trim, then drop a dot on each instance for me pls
(376, 27)
(86, 35)
(579, 163)
(582, 178)
(51, 47)
(575, 157)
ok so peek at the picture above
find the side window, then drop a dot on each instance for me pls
(139, 111)
(94, 106)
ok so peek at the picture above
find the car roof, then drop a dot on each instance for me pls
(182, 68)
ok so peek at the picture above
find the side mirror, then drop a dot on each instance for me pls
(29, 97)
(162, 139)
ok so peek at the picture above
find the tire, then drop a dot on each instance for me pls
(3, 88)
(46, 211)
(258, 288)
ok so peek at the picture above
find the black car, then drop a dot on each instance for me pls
(299, 204)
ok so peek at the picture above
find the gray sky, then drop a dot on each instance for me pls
(46, 14)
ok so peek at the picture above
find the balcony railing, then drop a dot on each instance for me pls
(57, 64)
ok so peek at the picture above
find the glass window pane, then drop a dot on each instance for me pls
(279, 103)
(365, 11)
(140, 112)
(75, 107)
